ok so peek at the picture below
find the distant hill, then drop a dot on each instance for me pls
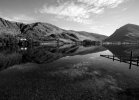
(127, 33)
(44, 32)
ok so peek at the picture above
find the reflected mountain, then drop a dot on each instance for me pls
(124, 53)
(41, 54)
(124, 50)
(44, 54)
(9, 56)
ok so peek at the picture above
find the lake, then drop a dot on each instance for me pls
(69, 72)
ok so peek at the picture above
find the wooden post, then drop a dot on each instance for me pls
(137, 61)
(130, 60)
(113, 57)
(120, 59)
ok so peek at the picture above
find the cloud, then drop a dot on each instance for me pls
(71, 12)
(23, 18)
(102, 3)
(67, 9)
(96, 28)
(79, 10)
(80, 20)
(124, 9)
(20, 18)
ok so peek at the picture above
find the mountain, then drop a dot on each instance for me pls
(9, 27)
(43, 32)
(90, 36)
(127, 33)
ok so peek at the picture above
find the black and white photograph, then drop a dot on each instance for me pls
(69, 49)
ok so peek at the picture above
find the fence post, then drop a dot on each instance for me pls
(120, 59)
(137, 61)
(130, 60)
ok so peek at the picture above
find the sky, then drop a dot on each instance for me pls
(95, 16)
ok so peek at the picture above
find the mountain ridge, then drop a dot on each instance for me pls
(44, 31)
(126, 33)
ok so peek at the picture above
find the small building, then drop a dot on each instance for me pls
(23, 41)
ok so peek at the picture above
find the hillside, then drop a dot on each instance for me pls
(90, 36)
(127, 33)
(44, 32)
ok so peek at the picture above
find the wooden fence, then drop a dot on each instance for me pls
(126, 59)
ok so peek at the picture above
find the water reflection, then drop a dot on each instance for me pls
(125, 54)
(10, 56)
(23, 48)
(124, 50)
(66, 73)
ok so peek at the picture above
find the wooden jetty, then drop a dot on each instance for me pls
(128, 59)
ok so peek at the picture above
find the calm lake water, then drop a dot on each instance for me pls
(69, 72)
